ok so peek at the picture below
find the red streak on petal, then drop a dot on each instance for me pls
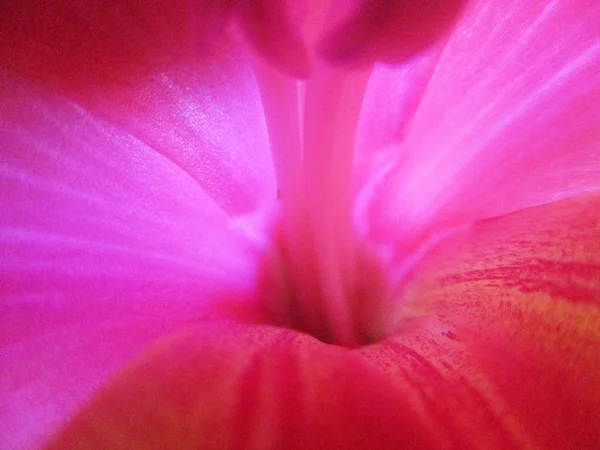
(520, 296)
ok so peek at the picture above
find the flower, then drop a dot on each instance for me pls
(157, 293)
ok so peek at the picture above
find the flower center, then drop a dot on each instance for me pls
(324, 280)
(337, 307)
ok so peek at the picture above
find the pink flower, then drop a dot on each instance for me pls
(200, 251)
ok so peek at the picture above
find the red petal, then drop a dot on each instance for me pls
(232, 386)
(271, 26)
(85, 43)
(517, 304)
(391, 31)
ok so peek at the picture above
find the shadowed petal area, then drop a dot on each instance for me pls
(273, 27)
(512, 344)
(105, 245)
(84, 43)
(224, 385)
(508, 120)
(390, 31)
(168, 73)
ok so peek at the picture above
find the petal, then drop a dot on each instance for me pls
(508, 120)
(516, 326)
(106, 245)
(273, 27)
(82, 44)
(230, 386)
(148, 67)
(390, 31)
(400, 88)
(207, 118)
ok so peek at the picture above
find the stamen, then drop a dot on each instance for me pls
(312, 129)
(333, 102)
(280, 99)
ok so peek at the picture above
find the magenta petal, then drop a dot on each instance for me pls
(508, 120)
(105, 246)
(400, 89)
(148, 67)
(206, 117)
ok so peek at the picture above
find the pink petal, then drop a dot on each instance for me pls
(508, 120)
(150, 68)
(230, 386)
(208, 119)
(390, 31)
(511, 347)
(400, 88)
(105, 246)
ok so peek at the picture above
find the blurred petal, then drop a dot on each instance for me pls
(84, 44)
(516, 328)
(273, 27)
(391, 31)
(230, 386)
(149, 67)
(105, 245)
(508, 120)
